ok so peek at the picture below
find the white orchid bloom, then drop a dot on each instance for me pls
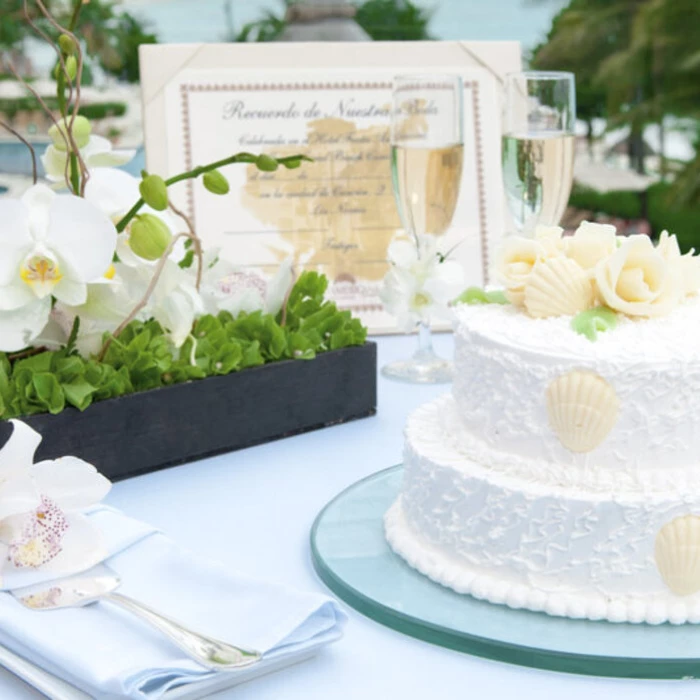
(51, 245)
(175, 302)
(419, 287)
(41, 525)
(226, 287)
(115, 192)
(97, 153)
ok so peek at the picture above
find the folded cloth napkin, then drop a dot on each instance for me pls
(109, 653)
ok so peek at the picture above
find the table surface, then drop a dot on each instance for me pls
(253, 510)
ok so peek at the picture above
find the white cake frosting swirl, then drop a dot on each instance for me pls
(493, 504)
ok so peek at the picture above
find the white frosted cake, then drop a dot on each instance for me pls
(562, 473)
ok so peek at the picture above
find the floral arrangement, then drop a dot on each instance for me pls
(105, 286)
(595, 274)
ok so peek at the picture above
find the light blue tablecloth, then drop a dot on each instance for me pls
(272, 493)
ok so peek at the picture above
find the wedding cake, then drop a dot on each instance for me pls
(562, 473)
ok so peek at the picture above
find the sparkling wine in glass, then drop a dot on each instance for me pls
(427, 155)
(538, 146)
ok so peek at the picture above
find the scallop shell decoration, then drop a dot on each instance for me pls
(558, 287)
(677, 553)
(583, 408)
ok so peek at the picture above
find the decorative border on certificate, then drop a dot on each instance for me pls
(187, 89)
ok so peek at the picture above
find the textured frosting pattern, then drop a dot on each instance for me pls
(505, 361)
(530, 538)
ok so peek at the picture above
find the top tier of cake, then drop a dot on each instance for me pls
(536, 390)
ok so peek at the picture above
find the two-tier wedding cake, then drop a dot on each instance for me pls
(562, 473)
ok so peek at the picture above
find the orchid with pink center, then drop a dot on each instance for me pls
(41, 525)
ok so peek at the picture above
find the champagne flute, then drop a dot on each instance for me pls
(538, 146)
(427, 154)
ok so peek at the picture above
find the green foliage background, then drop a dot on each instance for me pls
(383, 20)
(143, 358)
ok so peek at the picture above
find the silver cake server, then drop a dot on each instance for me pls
(100, 584)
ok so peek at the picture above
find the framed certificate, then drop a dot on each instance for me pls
(331, 102)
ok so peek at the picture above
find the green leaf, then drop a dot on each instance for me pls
(187, 261)
(477, 295)
(48, 392)
(79, 393)
(593, 321)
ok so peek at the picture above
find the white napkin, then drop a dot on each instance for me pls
(110, 653)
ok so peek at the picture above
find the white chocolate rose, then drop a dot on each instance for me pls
(550, 238)
(591, 243)
(637, 280)
(687, 266)
(514, 264)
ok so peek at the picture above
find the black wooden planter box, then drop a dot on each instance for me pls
(151, 430)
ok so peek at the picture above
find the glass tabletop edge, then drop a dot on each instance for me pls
(530, 657)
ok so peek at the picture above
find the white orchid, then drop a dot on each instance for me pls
(175, 302)
(226, 287)
(96, 151)
(51, 245)
(115, 192)
(420, 284)
(41, 525)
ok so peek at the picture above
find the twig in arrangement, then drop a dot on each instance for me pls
(160, 266)
(196, 243)
(67, 138)
(285, 303)
(40, 32)
(78, 181)
(29, 352)
(32, 152)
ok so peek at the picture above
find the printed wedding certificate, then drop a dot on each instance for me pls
(336, 214)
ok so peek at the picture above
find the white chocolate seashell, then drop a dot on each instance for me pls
(558, 287)
(677, 553)
(582, 408)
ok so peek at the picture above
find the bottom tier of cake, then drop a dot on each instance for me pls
(544, 542)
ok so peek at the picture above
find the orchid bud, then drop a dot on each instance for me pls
(71, 67)
(266, 163)
(149, 236)
(215, 182)
(154, 192)
(81, 132)
(67, 44)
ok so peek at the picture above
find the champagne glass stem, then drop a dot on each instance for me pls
(425, 343)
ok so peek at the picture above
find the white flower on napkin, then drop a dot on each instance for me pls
(40, 522)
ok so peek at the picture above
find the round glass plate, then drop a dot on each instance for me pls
(352, 557)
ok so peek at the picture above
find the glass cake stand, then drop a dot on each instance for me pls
(352, 557)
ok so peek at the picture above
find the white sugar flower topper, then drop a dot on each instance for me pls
(41, 526)
(51, 245)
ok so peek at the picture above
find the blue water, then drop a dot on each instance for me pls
(15, 160)
(526, 21)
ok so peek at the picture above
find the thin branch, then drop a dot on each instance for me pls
(42, 104)
(29, 352)
(196, 243)
(59, 54)
(32, 152)
(160, 266)
(84, 174)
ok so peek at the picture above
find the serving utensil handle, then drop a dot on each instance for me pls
(215, 655)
